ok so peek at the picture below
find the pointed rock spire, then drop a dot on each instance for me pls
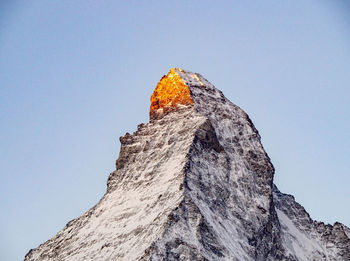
(170, 92)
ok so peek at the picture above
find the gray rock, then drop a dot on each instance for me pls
(195, 183)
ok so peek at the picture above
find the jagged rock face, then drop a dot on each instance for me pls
(305, 239)
(229, 181)
(141, 194)
(194, 184)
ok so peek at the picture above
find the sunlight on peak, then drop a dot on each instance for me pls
(170, 91)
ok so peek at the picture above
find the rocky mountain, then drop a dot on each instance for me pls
(194, 184)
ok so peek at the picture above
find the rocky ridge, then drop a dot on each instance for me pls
(194, 184)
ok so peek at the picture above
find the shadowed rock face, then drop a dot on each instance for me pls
(194, 184)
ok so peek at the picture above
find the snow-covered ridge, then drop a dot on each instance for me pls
(306, 239)
(195, 183)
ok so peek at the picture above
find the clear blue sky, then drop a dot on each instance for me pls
(76, 75)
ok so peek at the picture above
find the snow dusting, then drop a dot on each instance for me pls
(195, 183)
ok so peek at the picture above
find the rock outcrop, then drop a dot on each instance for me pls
(194, 184)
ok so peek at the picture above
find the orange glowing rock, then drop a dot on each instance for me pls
(170, 92)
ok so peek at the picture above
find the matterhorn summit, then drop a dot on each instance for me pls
(194, 184)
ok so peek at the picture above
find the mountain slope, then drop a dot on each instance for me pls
(194, 184)
(306, 239)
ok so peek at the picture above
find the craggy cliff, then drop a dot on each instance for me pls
(194, 184)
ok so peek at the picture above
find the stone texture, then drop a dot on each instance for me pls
(195, 183)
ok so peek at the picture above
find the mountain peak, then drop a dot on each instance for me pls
(194, 184)
(171, 91)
